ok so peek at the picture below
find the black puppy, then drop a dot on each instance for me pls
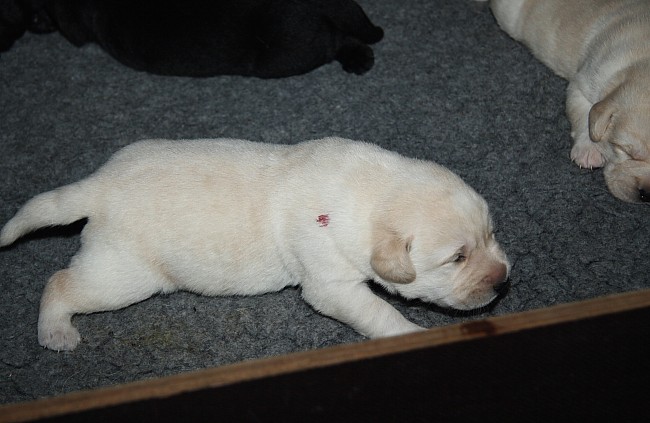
(263, 38)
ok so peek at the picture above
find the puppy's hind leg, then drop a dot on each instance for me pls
(354, 32)
(350, 19)
(93, 283)
(355, 56)
(55, 331)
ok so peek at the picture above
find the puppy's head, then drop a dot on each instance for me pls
(439, 247)
(620, 124)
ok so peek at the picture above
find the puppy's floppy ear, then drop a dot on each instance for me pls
(600, 117)
(390, 257)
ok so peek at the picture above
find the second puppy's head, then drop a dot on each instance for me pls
(437, 244)
(620, 124)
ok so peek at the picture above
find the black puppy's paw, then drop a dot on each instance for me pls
(356, 57)
(374, 35)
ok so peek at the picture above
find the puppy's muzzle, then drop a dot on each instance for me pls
(497, 278)
(629, 181)
(643, 184)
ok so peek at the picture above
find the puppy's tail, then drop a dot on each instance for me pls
(61, 206)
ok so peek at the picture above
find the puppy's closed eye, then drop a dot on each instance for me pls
(629, 147)
(459, 258)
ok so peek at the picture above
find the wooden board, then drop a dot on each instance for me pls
(575, 351)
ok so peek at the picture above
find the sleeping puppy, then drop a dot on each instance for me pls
(603, 48)
(262, 38)
(233, 217)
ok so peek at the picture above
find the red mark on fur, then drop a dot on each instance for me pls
(323, 220)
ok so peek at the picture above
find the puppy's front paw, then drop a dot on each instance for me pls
(587, 155)
(60, 338)
(399, 328)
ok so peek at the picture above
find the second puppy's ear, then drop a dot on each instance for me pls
(600, 117)
(391, 258)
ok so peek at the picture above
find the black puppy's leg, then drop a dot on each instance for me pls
(351, 20)
(355, 56)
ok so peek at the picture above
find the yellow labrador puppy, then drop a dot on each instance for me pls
(233, 217)
(602, 47)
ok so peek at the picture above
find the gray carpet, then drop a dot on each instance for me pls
(447, 85)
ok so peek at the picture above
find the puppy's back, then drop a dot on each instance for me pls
(562, 34)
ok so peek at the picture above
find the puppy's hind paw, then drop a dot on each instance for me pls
(59, 339)
(587, 156)
(356, 57)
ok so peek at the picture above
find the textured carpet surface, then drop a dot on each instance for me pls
(447, 85)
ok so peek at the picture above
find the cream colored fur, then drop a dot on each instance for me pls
(602, 47)
(233, 217)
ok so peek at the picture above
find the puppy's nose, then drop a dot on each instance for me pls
(497, 276)
(644, 195)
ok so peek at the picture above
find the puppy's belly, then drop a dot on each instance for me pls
(215, 239)
(212, 262)
(247, 276)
